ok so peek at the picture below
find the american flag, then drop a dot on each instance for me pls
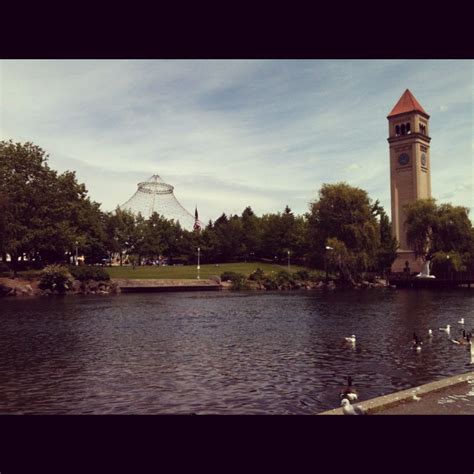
(197, 222)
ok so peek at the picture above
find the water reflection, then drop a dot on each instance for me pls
(222, 352)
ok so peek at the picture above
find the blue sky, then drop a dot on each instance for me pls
(228, 134)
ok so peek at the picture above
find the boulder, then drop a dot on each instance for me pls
(5, 290)
(25, 290)
(380, 283)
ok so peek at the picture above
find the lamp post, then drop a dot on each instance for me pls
(449, 267)
(198, 266)
(288, 260)
(77, 243)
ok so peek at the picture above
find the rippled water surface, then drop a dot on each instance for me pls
(223, 353)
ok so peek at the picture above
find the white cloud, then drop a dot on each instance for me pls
(228, 134)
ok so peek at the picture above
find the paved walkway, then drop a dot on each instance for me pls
(457, 400)
(449, 396)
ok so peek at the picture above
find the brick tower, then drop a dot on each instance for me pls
(410, 176)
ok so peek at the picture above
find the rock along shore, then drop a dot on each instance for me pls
(30, 286)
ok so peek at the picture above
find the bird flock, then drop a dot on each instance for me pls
(348, 394)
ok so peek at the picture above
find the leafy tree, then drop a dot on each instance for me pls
(347, 214)
(251, 234)
(440, 229)
(45, 213)
(421, 217)
(387, 252)
(445, 262)
(121, 232)
(282, 232)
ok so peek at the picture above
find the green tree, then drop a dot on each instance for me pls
(45, 212)
(441, 227)
(121, 232)
(420, 219)
(251, 234)
(440, 230)
(347, 214)
(387, 252)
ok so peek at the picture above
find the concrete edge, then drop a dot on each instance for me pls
(380, 403)
(163, 282)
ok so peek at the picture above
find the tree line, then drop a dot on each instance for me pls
(45, 215)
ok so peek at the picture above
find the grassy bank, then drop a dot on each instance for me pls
(190, 271)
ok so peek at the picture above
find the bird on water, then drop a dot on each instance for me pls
(465, 340)
(351, 339)
(349, 391)
(446, 329)
(417, 342)
(461, 321)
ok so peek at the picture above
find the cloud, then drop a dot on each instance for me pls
(353, 167)
(228, 134)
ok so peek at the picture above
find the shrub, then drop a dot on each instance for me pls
(257, 275)
(87, 272)
(232, 276)
(316, 276)
(4, 270)
(270, 282)
(442, 262)
(55, 277)
(240, 284)
(285, 280)
(301, 275)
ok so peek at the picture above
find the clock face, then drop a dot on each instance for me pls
(423, 159)
(403, 159)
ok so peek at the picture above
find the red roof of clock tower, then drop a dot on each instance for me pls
(407, 103)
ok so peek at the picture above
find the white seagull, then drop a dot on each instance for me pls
(349, 409)
(446, 329)
(461, 321)
(351, 339)
(430, 333)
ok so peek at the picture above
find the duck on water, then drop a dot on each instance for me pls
(349, 392)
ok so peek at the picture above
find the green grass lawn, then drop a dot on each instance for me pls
(190, 271)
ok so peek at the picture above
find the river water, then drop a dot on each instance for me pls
(223, 352)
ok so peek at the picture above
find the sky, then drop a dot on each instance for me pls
(234, 133)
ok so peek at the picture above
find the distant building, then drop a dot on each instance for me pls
(410, 175)
(154, 195)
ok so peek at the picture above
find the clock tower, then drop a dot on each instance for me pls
(410, 176)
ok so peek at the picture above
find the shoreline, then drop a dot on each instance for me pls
(17, 287)
(26, 287)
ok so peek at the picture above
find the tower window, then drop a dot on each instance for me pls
(397, 130)
(403, 129)
(422, 129)
(408, 128)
